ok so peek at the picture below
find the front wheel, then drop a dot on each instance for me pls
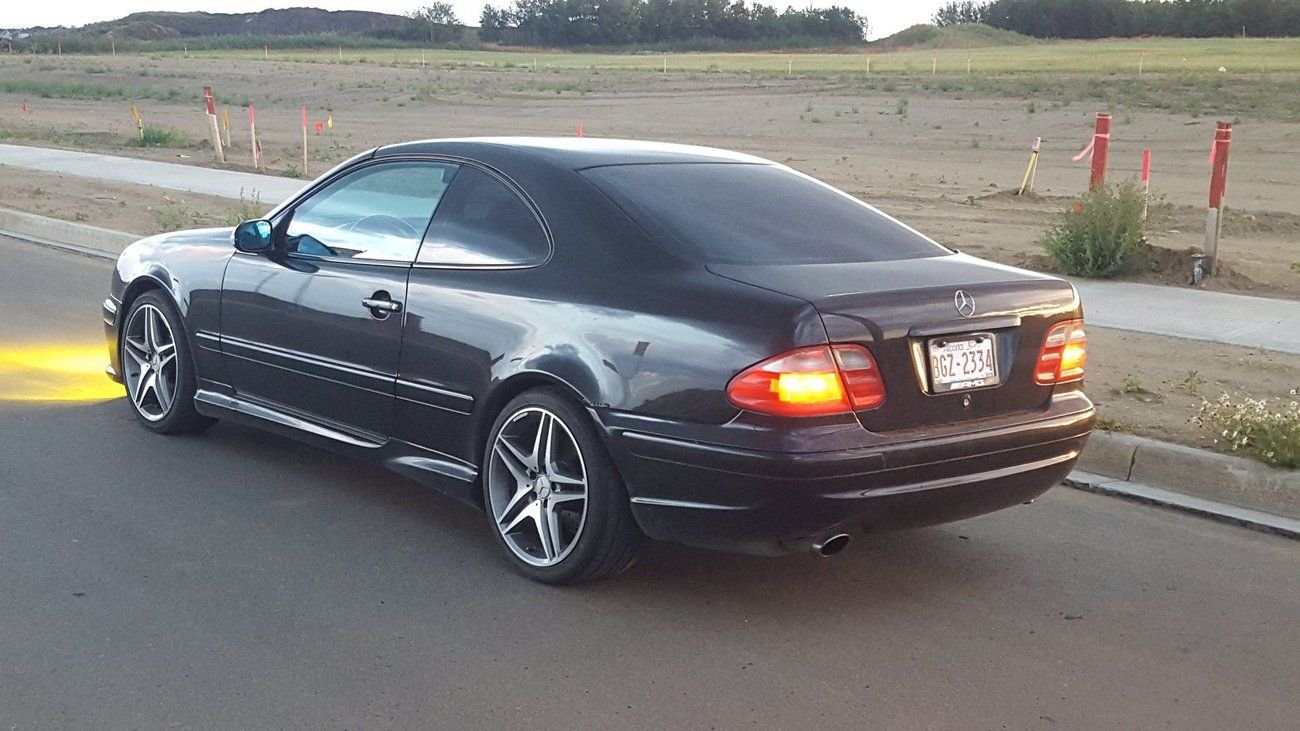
(158, 369)
(556, 503)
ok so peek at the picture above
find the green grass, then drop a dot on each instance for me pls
(162, 137)
(1180, 75)
(48, 89)
(1112, 56)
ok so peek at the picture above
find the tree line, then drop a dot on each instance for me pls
(1127, 18)
(625, 22)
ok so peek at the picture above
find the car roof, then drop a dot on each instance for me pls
(574, 153)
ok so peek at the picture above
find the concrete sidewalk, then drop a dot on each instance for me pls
(188, 178)
(1253, 322)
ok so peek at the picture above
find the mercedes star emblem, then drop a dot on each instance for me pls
(964, 302)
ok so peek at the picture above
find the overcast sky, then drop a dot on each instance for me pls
(883, 16)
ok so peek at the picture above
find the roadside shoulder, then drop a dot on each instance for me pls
(65, 235)
(1192, 479)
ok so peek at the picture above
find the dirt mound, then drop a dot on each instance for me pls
(966, 35)
(1157, 265)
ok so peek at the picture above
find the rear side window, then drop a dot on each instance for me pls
(755, 214)
(482, 222)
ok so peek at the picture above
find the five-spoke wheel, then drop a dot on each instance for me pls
(537, 484)
(157, 368)
(555, 500)
(149, 365)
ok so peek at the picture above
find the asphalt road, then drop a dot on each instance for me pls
(238, 579)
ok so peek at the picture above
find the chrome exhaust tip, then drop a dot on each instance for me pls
(832, 545)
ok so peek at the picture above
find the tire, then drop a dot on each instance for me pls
(154, 350)
(599, 541)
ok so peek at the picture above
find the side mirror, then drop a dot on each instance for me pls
(253, 236)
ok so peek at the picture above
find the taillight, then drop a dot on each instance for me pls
(1064, 352)
(813, 381)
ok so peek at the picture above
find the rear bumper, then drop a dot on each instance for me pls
(773, 503)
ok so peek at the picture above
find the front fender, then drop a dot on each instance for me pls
(188, 266)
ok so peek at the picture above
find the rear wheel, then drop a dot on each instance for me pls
(555, 501)
(158, 369)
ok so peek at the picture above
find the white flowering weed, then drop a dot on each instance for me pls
(1270, 433)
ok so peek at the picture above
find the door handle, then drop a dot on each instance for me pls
(381, 305)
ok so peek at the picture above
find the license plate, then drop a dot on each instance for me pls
(962, 363)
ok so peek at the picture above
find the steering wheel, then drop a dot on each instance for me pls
(384, 224)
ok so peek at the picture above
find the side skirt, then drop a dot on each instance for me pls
(455, 478)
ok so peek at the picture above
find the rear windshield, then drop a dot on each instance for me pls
(737, 213)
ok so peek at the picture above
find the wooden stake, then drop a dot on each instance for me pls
(304, 142)
(968, 53)
(1218, 185)
(790, 69)
(1100, 151)
(212, 124)
(934, 62)
(1146, 180)
(1141, 57)
(252, 137)
(1027, 184)
(216, 138)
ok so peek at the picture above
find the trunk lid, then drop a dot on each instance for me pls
(896, 309)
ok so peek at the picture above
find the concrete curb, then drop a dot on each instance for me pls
(1198, 473)
(1212, 509)
(77, 238)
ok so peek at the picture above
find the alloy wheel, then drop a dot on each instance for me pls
(149, 362)
(537, 487)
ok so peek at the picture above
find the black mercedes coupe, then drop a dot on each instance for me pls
(597, 341)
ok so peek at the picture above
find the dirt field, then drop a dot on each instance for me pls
(139, 209)
(944, 161)
(1152, 385)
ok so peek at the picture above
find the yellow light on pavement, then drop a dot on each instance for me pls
(56, 373)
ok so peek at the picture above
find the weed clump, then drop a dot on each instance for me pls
(161, 137)
(249, 209)
(174, 216)
(1100, 235)
(1268, 433)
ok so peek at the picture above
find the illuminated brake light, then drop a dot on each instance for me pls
(1063, 355)
(809, 388)
(815, 381)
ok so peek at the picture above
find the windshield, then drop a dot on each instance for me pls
(755, 214)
